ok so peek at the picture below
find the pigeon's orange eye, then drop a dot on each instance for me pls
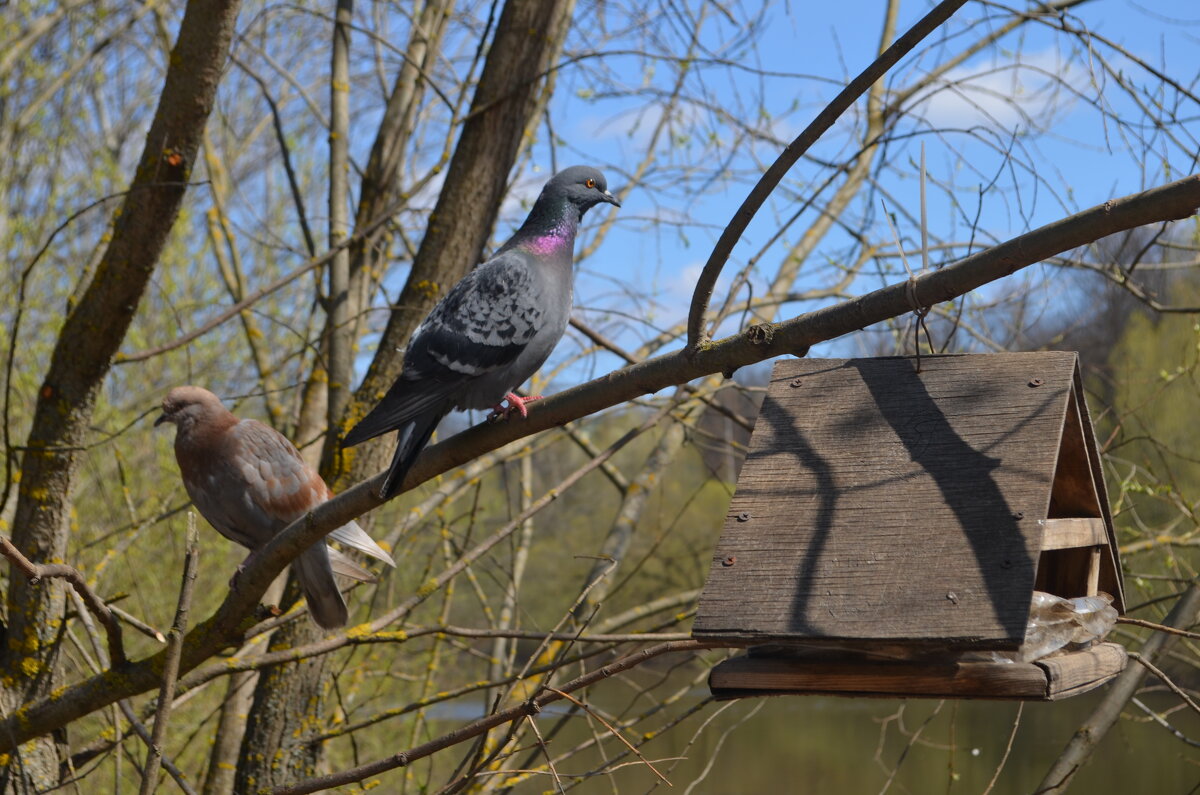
(591, 183)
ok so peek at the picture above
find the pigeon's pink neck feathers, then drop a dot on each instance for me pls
(554, 240)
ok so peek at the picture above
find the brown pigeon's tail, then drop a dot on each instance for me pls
(315, 575)
(413, 437)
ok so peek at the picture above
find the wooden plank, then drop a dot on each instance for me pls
(1051, 679)
(878, 503)
(744, 675)
(1071, 533)
(1093, 576)
(1111, 580)
(1078, 672)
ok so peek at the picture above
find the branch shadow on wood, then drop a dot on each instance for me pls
(809, 458)
(964, 477)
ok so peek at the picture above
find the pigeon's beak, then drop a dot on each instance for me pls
(608, 197)
(161, 419)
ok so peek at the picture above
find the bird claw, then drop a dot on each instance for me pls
(237, 573)
(515, 403)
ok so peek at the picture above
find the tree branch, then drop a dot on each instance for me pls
(793, 152)
(1172, 201)
(476, 728)
(36, 572)
(1119, 692)
(166, 693)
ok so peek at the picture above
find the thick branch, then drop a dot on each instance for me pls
(1058, 778)
(794, 151)
(36, 572)
(1169, 202)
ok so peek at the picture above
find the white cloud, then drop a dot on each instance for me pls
(1031, 88)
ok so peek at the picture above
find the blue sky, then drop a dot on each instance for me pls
(1078, 159)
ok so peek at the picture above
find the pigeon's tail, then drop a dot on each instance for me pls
(413, 437)
(347, 568)
(352, 535)
(315, 575)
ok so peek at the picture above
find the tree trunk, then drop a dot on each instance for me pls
(504, 105)
(83, 354)
(528, 40)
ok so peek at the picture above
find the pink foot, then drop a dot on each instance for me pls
(515, 403)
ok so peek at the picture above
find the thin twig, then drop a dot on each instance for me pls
(1137, 622)
(912, 741)
(1166, 680)
(256, 296)
(97, 664)
(790, 155)
(141, 731)
(36, 572)
(614, 732)
(138, 624)
(1161, 721)
(1007, 749)
(166, 693)
(541, 744)
(488, 722)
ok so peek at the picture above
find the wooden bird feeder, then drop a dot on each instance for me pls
(888, 525)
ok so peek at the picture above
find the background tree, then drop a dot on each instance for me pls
(277, 236)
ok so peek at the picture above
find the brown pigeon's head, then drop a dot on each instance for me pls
(189, 406)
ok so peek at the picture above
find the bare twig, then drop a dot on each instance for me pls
(138, 624)
(912, 741)
(166, 693)
(1175, 200)
(541, 744)
(141, 731)
(1161, 721)
(256, 296)
(1166, 680)
(612, 730)
(475, 728)
(1137, 622)
(36, 572)
(1012, 735)
(794, 151)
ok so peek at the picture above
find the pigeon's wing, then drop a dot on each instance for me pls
(237, 478)
(276, 486)
(354, 536)
(483, 323)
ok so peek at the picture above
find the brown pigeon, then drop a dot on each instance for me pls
(249, 482)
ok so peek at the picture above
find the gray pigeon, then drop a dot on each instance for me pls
(493, 330)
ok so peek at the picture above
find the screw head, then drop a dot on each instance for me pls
(744, 516)
(796, 382)
(729, 560)
(952, 596)
(1018, 515)
(1036, 382)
